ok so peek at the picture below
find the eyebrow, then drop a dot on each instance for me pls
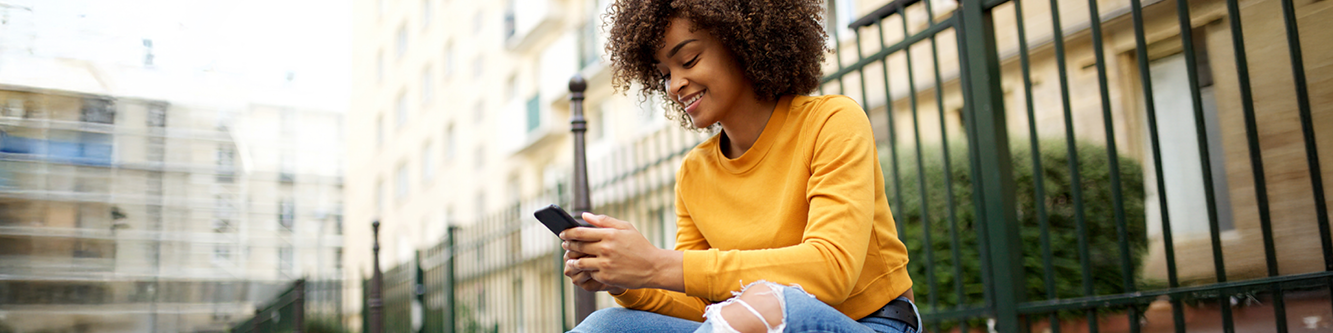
(678, 46)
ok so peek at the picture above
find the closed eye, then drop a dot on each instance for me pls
(692, 62)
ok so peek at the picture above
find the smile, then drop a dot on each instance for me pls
(691, 100)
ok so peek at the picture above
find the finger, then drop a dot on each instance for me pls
(603, 221)
(585, 264)
(581, 278)
(575, 255)
(592, 285)
(585, 248)
(584, 234)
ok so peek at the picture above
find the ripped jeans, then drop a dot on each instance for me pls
(801, 313)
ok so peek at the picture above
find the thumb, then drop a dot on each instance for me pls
(603, 221)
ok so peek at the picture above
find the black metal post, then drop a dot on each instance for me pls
(376, 282)
(298, 313)
(450, 300)
(584, 303)
(995, 181)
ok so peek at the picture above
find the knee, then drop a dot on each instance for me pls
(759, 308)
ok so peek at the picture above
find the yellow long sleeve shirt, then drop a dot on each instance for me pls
(805, 205)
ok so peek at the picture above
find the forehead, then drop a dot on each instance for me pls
(678, 30)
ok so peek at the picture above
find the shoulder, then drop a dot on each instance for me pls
(698, 157)
(821, 114)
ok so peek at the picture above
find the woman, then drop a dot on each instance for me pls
(783, 224)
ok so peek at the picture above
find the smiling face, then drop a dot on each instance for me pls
(701, 73)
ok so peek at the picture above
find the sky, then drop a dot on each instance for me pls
(259, 41)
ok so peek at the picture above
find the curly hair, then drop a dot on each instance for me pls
(779, 44)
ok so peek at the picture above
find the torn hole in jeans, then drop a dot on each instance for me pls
(720, 324)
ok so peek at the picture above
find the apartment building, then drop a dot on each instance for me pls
(134, 199)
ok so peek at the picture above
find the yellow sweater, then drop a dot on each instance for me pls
(805, 205)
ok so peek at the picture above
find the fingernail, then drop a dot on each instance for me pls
(570, 262)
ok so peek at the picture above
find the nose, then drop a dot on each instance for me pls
(675, 85)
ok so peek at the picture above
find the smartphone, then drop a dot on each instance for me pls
(557, 219)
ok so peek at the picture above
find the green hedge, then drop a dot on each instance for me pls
(1099, 212)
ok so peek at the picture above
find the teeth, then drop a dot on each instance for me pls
(694, 99)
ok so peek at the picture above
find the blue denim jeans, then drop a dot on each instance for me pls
(802, 313)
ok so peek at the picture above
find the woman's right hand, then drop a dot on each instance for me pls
(583, 279)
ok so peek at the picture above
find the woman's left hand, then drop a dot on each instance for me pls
(621, 257)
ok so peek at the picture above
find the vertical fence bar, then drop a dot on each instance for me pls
(931, 287)
(1038, 174)
(376, 284)
(1256, 159)
(1113, 159)
(893, 137)
(1307, 129)
(1192, 70)
(992, 150)
(837, 48)
(298, 306)
(948, 169)
(584, 301)
(1145, 79)
(1075, 179)
(861, 72)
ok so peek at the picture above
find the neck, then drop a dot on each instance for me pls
(743, 125)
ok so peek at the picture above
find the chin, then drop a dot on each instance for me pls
(697, 123)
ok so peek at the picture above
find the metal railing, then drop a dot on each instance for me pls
(1067, 217)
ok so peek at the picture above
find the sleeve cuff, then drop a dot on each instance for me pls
(698, 272)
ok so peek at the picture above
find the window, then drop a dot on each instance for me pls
(481, 208)
(448, 59)
(383, 7)
(285, 261)
(509, 19)
(427, 85)
(379, 130)
(512, 93)
(100, 111)
(477, 66)
(427, 162)
(157, 115)
(427, 10)
(402, 40)
(223, 211)
(477, 23)
(287, 213)
(534, 112)
(400, 109)
(481, 157)
(1181, 168)
(449, 142)
(379, 196)
(226, 163)
(401, 176)
(478, 112)
(222, 253)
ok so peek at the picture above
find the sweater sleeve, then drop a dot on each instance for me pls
(832, 251)
(667, 302)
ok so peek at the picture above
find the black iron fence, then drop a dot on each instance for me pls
(1102, 165)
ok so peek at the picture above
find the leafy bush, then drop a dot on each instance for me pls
(1099, 213)
(324, 324)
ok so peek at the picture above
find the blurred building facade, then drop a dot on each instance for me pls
(136, 200)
